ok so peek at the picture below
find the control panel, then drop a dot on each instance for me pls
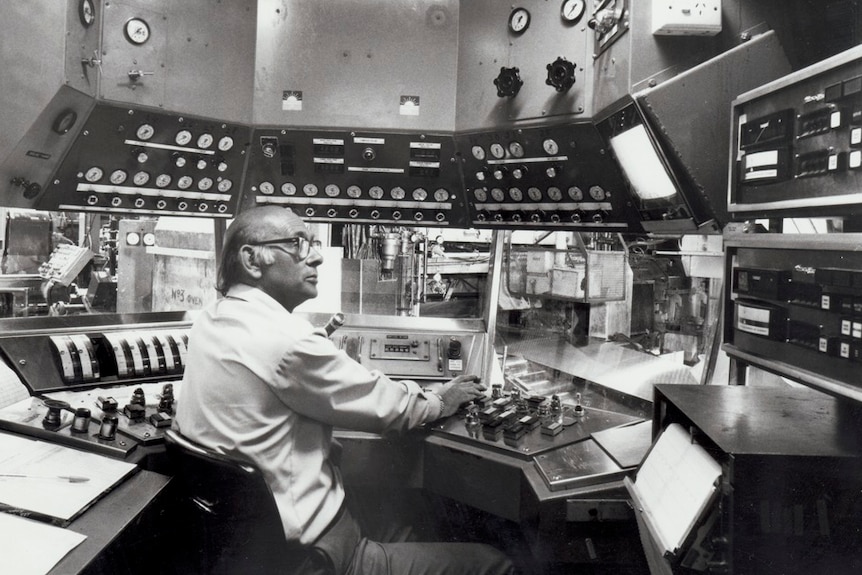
(797, 142)
(555, 177)
(377, 178)
(143, 162)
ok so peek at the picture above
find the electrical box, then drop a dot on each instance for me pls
(686, 18)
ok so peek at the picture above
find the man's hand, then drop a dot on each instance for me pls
(458, 391)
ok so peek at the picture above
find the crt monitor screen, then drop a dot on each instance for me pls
(641, 164)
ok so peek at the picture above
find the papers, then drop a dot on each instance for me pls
(51, 481)
(674, 485)
(33, 548)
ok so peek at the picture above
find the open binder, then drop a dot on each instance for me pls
(675, 485)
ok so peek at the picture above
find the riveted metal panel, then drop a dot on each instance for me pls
(83, 54)
(486, 45)
(354, 61)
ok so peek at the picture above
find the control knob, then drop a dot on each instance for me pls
(508, 82)
(561, 74)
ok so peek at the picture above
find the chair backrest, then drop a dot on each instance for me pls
(231, 512)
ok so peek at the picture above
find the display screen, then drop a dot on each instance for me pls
(642, 166)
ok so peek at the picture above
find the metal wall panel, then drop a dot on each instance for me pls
(83, 54)
(486, 45)
(353, 62)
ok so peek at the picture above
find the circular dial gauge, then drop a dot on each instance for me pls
(550, 146)
(309, 189)
(185, 182)
(94, 174)
(183, 137)
(478, 152)
(597, 193)
(375, 192)
(204, 184)
(354, 191)
(516, 149)
(225, 185)
(141, 178)
(480, 194)
(288, 188)
(137, 31)
(118, 177)
(133, 238)
(498, 194)
(441, 195)
(419, 194)
(331, 190)
(519, 20)
(555, 194)
(86, 12)
(498, 151)
(516, 194)
(572, 10)
(225, 143)
(534, 194)
(149, 239)
(205, 140)
(145, 132)
(397, 193)
(163, 180)
(576, 194)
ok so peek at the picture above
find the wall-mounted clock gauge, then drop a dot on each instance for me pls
(519, 20)
(137, 31)
(86, 13)
(572, 10)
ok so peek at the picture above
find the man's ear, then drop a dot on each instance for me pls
(250, 262)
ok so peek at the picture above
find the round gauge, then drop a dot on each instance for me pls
(498, 151)
(419, 194)
(205, 140)
(597, 193)
(309, 189)
(332, 190)
(225, 185)
(478, 153)
(118, 177)
(288, 188)
(576, 194)
(397, 193)
(225, 143)
(534, 194)
(86, 13)
(555, 194)
(516, 194)
(137, 31)
(519, 20)
(266, 188)
(550, 146)
(516, 149)
(354, 191)
(183, 137)
(498, 194)
(94, 174)
(163, 180)
(480, 194)
(185, 182)
(375, 192)
(149, 239)
(145, 132)
(141, 178)
(133, 239)
(572, 10)
(204, 184)
(441, 195)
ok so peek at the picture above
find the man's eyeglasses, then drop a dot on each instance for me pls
(302, 249)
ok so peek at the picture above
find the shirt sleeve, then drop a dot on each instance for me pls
(319, 381)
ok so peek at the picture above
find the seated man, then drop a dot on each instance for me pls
(263, 384)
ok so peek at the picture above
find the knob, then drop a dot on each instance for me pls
(561, 74)
(454, 349)
(500, 173)
(604, 21)
(368, 154)
(309, 212)
(508, 82)
(519, 173)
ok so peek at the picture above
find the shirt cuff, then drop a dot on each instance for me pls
(440, 407)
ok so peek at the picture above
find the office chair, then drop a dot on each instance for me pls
(230, 513)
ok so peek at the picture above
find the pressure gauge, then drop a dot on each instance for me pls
(137, 31)
(332, 190)
(163, 180)
(205, 141)
(576, 194)
(516, 194)
(478, 152)
(519, 20)
(225, 185)
(516, 149)
(480, 194)
(534, 194)
(266, 188)
(185, 182)
(141, 178)
(397, 193)
(419, 194)
(354, 191)
(183, 137)
(204, 184)
(145, 132)
(288, 188)
(550, 146)
(375, 192)
(225, 143)
(149, 239)
(597, 193)
(441, 195)
(498, 194)
(555, 194)
(309, 189)
(572, 10)
(118, 177)
(94, 174)
(133, 238)
(498, 151)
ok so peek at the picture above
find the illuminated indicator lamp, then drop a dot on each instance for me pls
(133, 239)
(149, 239)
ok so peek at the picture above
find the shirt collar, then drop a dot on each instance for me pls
(254, 294)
